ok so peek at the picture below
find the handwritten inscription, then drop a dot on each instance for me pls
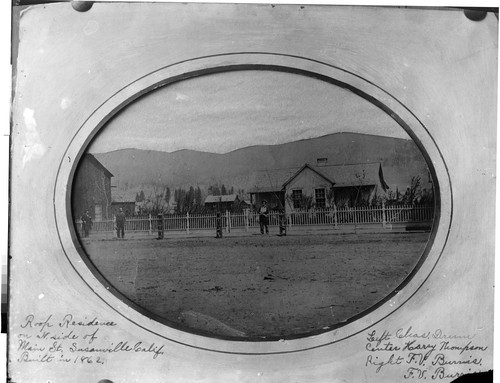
(73, 340)
(432, 355)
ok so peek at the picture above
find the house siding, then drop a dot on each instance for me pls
(307, 181)
(92, 187)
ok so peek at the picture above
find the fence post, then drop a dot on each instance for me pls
(187, 222)
(335, 222)
(150, 225)
(246, 220)
(384, 220)
(228, 223)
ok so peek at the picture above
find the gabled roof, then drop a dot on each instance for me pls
(353, 174)
(349, 175)
(269, 181)
(307, 166)
(96, 163)
(221, 198)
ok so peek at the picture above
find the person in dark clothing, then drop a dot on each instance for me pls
(86, 223)
(218, 225)
(282, 221)
(120, 224)
(264, 217)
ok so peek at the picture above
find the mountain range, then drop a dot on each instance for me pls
(138, 169)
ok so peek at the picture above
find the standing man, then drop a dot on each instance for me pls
(120, 224)
(218, 225)
(264, 217)
(86, 223)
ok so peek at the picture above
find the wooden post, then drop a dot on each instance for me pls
(228, 222)
(384, 221)
(187, 222)
(150, 225)
(335, 224)
(246, 220)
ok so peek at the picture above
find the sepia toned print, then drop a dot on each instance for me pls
(253, 204)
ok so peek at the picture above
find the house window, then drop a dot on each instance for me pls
(297, 198)
(320, 198)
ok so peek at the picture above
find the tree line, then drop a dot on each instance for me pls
(160, 199)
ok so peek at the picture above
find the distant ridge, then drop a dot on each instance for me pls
(247, 147)
(140, 169)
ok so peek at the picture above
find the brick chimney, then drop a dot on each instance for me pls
(321, 161)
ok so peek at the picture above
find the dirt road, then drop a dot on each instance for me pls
(258, 286)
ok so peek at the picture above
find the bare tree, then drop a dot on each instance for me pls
(102, 191)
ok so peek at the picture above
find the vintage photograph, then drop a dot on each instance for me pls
(253, 204)
(237, 192)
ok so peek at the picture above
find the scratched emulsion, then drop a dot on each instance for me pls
(258, 287)
(33, 147)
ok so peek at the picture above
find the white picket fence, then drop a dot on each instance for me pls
(383, 215)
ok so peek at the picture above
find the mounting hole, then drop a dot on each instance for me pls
(81, 6)
(475, 14)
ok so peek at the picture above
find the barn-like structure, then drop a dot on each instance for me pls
(92, 189)
(123, 200)
(222, 202)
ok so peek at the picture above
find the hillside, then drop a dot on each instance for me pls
(136, 169)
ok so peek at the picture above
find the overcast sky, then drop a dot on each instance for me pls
(222, 112)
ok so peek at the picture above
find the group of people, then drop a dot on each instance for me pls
(119, 224)
(263, 221)
(86, 224)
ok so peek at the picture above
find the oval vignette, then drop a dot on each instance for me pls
(186, 168)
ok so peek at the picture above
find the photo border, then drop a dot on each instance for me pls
(253, 61)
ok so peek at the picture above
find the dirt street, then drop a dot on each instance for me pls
(258, 286)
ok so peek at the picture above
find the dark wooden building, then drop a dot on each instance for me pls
(91, 189)
(222, 203)
(123, 200)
